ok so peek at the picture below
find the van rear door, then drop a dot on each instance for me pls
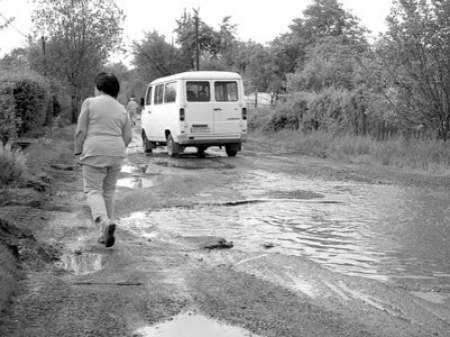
(198, 112)
(227, 107)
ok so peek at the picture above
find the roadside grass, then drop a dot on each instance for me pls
(418, 154)
(13, 167)
(8, 276)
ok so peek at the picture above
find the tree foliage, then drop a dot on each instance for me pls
(80, 35)
(416, 53)
(154, 57)
(213, 43)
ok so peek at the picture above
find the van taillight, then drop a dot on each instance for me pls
(244, 113)
(182, 114)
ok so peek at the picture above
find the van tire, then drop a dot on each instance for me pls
(146, 144)
(231, 150)
(173, 149)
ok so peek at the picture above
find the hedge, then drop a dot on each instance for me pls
(25, 104)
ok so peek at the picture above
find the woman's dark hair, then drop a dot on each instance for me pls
(107, 83)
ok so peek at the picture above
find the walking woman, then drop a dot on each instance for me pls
(103, 132)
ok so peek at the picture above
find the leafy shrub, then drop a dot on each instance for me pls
(32, 103)
(258, 117)
(8, 120)
(25, 103)
(290, 114)
(12, 165)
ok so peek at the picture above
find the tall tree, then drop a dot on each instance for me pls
(330, 63)
(416, 52)
(154, 57)
(325, 18)
(79, 35)
(322, 22)
(213, 44)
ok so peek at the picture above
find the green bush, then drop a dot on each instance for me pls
(32, 103)
(290, 114)
(258, 117)
(12, 165)
(25, 103)
(9, 122)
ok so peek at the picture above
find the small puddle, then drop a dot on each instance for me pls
(135, 182)
(194, 163)
(82, 264)
(190, 325)
(127, 168)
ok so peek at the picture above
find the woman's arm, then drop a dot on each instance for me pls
(82, 127)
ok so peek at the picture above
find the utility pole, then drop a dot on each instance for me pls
(197, 46)
(44, 60)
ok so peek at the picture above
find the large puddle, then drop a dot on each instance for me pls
(388, 233)
(192, 325)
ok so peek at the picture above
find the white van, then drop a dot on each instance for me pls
(198, 108)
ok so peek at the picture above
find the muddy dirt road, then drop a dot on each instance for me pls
(320, 249)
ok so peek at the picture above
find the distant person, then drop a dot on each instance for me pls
(133, 109)
(103, 132)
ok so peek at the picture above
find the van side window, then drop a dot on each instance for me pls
(170, 94)
(159, 94)
(148, 96)
(197, 91)
(226, 91)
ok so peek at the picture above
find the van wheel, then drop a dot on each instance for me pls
(173, 149)
(231, 150)
(146, 144)
(201, 151)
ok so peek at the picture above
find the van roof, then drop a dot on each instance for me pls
(200, 75)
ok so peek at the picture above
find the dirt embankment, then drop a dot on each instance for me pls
(22, 213)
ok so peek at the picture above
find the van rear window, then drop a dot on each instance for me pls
(198, 91)
(226, 91)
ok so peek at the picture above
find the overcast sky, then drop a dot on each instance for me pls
(260, 20)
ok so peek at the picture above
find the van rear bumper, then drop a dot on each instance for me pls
(210, 141)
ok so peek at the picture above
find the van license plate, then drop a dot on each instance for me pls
(200, 129)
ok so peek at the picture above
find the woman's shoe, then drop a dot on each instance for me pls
(108, 234)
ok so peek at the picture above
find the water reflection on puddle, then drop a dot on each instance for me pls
(135, 182)
(83, 263)
(127, 168)
(190, 325)
(376, 231)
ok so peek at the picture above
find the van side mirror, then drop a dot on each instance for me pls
(142, 101)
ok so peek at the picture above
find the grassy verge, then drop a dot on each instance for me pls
(12, 165)
(8, 276)
(425, 155)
